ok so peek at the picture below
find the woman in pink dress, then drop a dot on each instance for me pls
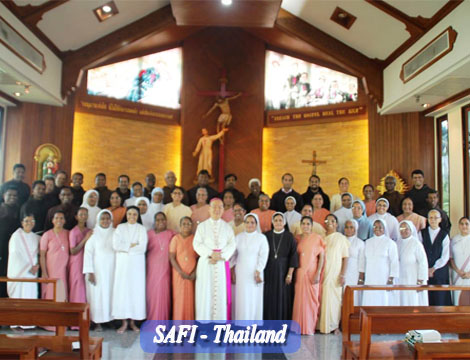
(310, 248)
(158, 292)
(200, 209)
(418, 221)
(78, 237)
(54, 256)
(229, 200)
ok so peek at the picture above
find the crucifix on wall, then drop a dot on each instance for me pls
(223, 97)
(314, 162)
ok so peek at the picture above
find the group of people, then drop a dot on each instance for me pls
(167, 253)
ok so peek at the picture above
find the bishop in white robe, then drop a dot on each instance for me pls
(214, 242)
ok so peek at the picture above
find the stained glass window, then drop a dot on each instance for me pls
(294, 83)
(152, 79)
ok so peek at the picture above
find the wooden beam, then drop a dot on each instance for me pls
(414, 25)
(75, 62)
(34, 13)
(367, 69)
(443, 12)
(30, 16)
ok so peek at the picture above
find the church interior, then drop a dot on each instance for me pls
(368, 87)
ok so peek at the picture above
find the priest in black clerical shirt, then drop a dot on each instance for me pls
(17, 183)
(313, 189)
(230, 182)
(150, 181)
(432, 203)
(66, 205)
(123, 188)
(9, 222)
(419, 191)
(77, 189)
(202, 181)
(277, 202)
(37, 206)
(103, 191)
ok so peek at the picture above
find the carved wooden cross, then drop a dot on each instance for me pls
(314, 162)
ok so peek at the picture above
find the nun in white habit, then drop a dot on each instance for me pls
(148, 218)
(356, 250)
(378, 265)
(291, 215)
(345, 212)
(23, 250)
(90, 202)
(413, 265)
(250, 258)
(98, 267)
(460, 257)
(156, 201)
(382, 205)
(130, 244)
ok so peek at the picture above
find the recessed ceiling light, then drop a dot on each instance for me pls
(226, 2)
(425, 105)
(106, 11)
(17, 93)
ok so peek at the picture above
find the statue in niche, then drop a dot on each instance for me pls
(204, 149)
(50, 166)
(225, 117)
(47, 158)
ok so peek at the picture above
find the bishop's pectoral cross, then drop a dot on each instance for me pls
(314, 162)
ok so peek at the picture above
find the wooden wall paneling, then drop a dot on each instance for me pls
(243, 57)
(31, 125)
(402, 142)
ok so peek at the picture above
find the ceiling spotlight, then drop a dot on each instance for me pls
(425, 105)
(26, 89)
(226, 2)
(106, 11)
(17, 94)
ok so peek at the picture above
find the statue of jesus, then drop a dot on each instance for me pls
(225, 116)
(204, 146)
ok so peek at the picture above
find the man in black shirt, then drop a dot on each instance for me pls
(419, 191)
(17, 183)
(103, 191)
(230, 182)
(313, 189)
(432, 203)
(77, 189)
(66, 205)
(123, 188)
(37, 206)
(150, 181)
(277, 202)
(202, 181)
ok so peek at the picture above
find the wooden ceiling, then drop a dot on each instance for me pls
(241, 13)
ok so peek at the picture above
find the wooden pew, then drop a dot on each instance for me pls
(392, 320)
(350, 313)
(42, 312)
(446, 350)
